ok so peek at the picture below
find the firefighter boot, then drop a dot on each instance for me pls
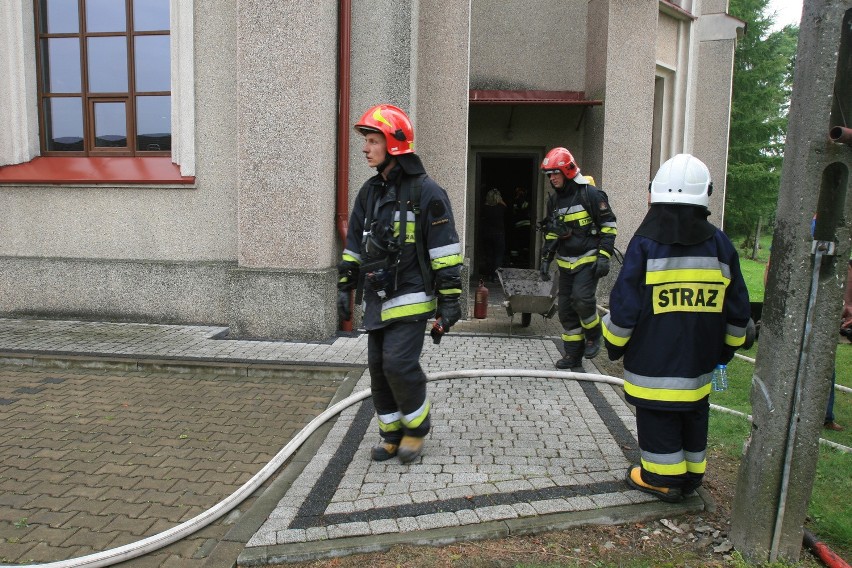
(383, 451)
(667, 494)
(571, 358)
(593, 342)
(410, 448)
(568, 362)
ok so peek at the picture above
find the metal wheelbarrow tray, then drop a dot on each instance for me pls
(526, 293)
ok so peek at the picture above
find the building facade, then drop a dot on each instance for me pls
(221, 196)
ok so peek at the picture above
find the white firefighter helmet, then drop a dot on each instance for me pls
(682, 180)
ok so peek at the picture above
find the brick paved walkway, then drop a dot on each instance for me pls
(114, 432)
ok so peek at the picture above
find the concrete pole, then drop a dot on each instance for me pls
(801, 315)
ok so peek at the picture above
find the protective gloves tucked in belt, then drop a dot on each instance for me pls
(343, 310)
(544, 269)
(602, 265)
(449, 311)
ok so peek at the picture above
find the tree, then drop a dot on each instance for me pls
(763, 74)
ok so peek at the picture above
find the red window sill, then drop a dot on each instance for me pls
(55, 171)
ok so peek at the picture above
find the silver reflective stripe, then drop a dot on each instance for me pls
(663, 459)
(407, 299)
(735, 331)
(408, 418)
(695, 457)
(390, 418)
(668, 383)
(688, 263)
(573, 259)
(446, 250)
(409, 216)
(569, 210)
(353, 254)
(616, 330)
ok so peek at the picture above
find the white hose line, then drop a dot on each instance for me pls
(165, 538)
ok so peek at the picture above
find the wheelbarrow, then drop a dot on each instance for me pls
(526, 293)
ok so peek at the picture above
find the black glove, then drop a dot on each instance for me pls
(449, 311)
(601, 266)
(343, 311)
(545, 269)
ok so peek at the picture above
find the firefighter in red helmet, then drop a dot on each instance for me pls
(403, 255)
(579, 233)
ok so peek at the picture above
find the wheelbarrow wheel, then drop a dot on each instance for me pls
(526, 319)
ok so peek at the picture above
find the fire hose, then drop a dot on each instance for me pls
(195, 524)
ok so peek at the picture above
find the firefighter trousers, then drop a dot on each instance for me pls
(673, 445)
(397, 381)
(578, 312)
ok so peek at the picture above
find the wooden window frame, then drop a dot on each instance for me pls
(89, 98)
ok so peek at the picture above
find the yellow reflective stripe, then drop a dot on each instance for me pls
(551, 237)
(580, 216)
(409, 231)
(446, 261)
(350, 258)
(450, 291)
(571, 265)
(686, 275)
(392, 427)
(696, 467)
(666, 395)
(664, 469)
(409, 310)
(612, 338)
(604, 253)
(590, 324)
(418, 416)
(609, 230)
(572, 337)
(734, 341)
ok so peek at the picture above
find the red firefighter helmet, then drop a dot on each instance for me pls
(393, 123)
(561, 160)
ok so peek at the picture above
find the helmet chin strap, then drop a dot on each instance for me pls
(381, 167)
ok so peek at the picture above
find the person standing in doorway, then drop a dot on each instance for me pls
(403, 252)
(678, 309)
(579, 233)
(493, 232)
(519, 248)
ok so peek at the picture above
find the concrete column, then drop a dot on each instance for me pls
(620, 66)
(18, 110)
(287, 109)
(798, 338)
(717, 38)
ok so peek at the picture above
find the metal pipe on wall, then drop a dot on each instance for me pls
(344, 29)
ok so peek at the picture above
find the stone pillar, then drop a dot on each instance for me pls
(287, 109)
(798, 338)
(18, 87)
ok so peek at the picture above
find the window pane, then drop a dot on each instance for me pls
(150, 15)
(153, 65)
(107, 64)
(110, 125)
(63, 121)
(60, 65)
(59, 17)
(105, 16)
(153, 123)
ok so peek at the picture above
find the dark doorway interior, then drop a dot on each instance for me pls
(515, 220)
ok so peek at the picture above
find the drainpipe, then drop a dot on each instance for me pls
(344, 28)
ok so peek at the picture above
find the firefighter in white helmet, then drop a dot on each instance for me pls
(679, 308)
(579, 233)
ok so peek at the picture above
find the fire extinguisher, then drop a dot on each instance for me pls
(480, 306)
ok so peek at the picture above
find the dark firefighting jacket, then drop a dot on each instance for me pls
(579, 225)
(676, 311)
(401, 293)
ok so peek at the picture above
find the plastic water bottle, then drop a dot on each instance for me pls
(720, 378)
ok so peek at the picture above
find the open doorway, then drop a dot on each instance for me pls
(505, 232)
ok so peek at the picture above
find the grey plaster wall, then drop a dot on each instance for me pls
(286, 62)
(528, 45)
(667, 36)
